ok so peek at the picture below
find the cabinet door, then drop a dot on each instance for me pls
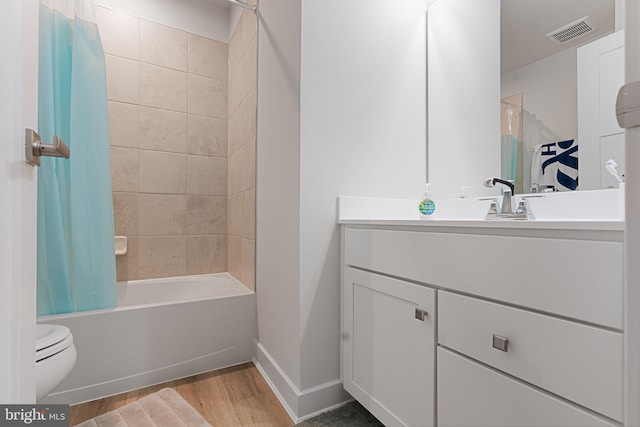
(472, 395)
(389, 347)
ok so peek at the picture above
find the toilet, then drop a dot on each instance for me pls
(55, 357)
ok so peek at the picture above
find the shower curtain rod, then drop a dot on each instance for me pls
(243, 5)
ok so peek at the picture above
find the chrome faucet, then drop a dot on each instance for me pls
(506, 208)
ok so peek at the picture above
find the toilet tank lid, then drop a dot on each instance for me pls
(48, 335)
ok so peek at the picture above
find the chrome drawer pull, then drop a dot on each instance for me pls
(500, 343)
(421, 314)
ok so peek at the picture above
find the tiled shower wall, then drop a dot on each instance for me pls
(168, 109)
(242, 149)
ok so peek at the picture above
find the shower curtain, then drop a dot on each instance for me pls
(75, 257)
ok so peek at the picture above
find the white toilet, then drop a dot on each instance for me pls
(55, 357)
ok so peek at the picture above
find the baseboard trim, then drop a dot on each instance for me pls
(299, 404)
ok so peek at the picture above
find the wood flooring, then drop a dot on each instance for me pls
(232, 397)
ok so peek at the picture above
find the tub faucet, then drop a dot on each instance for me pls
(506, 208)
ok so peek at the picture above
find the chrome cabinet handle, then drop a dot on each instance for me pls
(34, 148)
(421, 314)
(500, 343)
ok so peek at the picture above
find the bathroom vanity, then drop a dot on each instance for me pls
(467, 322)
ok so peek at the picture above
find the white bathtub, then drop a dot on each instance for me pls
(162, 329)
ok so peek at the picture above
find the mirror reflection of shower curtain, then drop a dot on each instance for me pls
(511, 143)
(75, 262)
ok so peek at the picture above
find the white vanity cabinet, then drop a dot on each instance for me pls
(529, 323)
(389, 347)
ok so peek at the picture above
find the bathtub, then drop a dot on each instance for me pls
(162, 329)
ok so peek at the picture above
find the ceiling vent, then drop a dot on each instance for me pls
(572, 31)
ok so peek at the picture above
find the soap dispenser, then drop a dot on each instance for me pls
(427, 206)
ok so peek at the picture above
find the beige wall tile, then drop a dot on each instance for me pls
(124, 124)
(207, 97)
(242, 36)
(163, 130)
(242, 168)
(206, 215)
(125, 214)
(242, 121)
(124, 169)
(162, 256)
(247, 111)
(206, 175)
(123, 83)
(234, 215)
(122, 267)
(208, 57)
(163, 172)
(242, 214)
(234, 132)
(241, 260)
(133, 259)
(181, 212)
(206, 136)
(162, 45)
(162, 215)
(234, 257)
(206, 254)
(241, 151)
(119, 33)
(234, 97)
(163, 88)
(244, 78)
(127, 265)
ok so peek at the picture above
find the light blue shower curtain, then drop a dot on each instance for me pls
(76, 262)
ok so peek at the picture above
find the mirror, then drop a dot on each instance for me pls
(551, 73)
(470, 70)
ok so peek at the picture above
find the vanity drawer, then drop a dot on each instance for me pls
(472, 395)
(578, 362)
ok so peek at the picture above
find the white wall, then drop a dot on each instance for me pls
(363, 122)
(341, 110)
(464, 95)
(550, 91)
(278, 184)
(200, 17)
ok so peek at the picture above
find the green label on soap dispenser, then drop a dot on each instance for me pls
(427, 207)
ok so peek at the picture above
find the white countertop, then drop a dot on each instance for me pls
(587, 210)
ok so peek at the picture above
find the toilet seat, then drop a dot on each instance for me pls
(51, 340)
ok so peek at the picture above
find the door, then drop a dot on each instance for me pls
(18, 110)
(600, 75)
